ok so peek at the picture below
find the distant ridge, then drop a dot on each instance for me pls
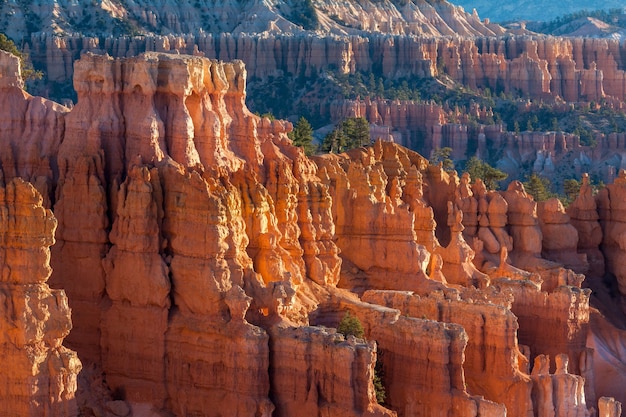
(536, 10)
(335, 17)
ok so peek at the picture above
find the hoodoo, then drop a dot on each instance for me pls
(207, 261)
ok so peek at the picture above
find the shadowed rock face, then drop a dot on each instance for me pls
(575, 69)
(201, 253)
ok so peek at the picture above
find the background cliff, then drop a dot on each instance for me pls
(534, 10)
(134, 17)
(493, 91)
(539, 104)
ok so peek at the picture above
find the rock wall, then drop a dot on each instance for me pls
(434, 382)
(39, 374)
(494, 365)
(304, 382)
(611, 213)
(575, 69)
(201, 252)
(557, 70)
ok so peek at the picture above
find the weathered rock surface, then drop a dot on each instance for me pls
(39, 374)
(552, 69)
(609, 356)
(584, 217)
(612, 210)
(231, 16)
(494, 366)
(434, 382)
(201, 252)
(375, 228)
(575, 69)
(304, 383)
(559, 237)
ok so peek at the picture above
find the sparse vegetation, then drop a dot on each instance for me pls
(28, 72)
(304, 14)
(302, 136)
(379, 375)
(352, 133)
(351, 326)
(611, 17)
(489, 175)
(571, 187)
(442, 156)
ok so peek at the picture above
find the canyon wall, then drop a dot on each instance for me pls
(574, 69)
(560, 71)
(39, 374)
(427, 126)
(207, 260)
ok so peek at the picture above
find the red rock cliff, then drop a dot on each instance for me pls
(39, 373)
(201, 252)
(575, 69)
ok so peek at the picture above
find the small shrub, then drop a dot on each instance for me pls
(28, 72)
(379, 375)
(351, 325)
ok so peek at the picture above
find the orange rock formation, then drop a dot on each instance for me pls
(39, 374)
(575, 69)
(202, 254)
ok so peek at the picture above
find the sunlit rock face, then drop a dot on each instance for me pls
(108, 19)
(207, 260)
(39, 375)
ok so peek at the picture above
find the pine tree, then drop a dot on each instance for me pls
(353, 132)
(351, 326)
(442, 155)
(334, 142)
(360, 133)
(28, 72)
(302, 136)
(538, 187)
(489, 175)
(571, 187)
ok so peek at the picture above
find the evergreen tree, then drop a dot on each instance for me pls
(305, 15)
(7, 44)
(538, 187)
(348, 127)
(352, 133)
(380, 88)
(489, 175)
(302, 136)
(351, 326)
(28, 72)
(334, 142)
(371, 85)
(555, 125)
(442, 155)
(571, 187)
(359, 133)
